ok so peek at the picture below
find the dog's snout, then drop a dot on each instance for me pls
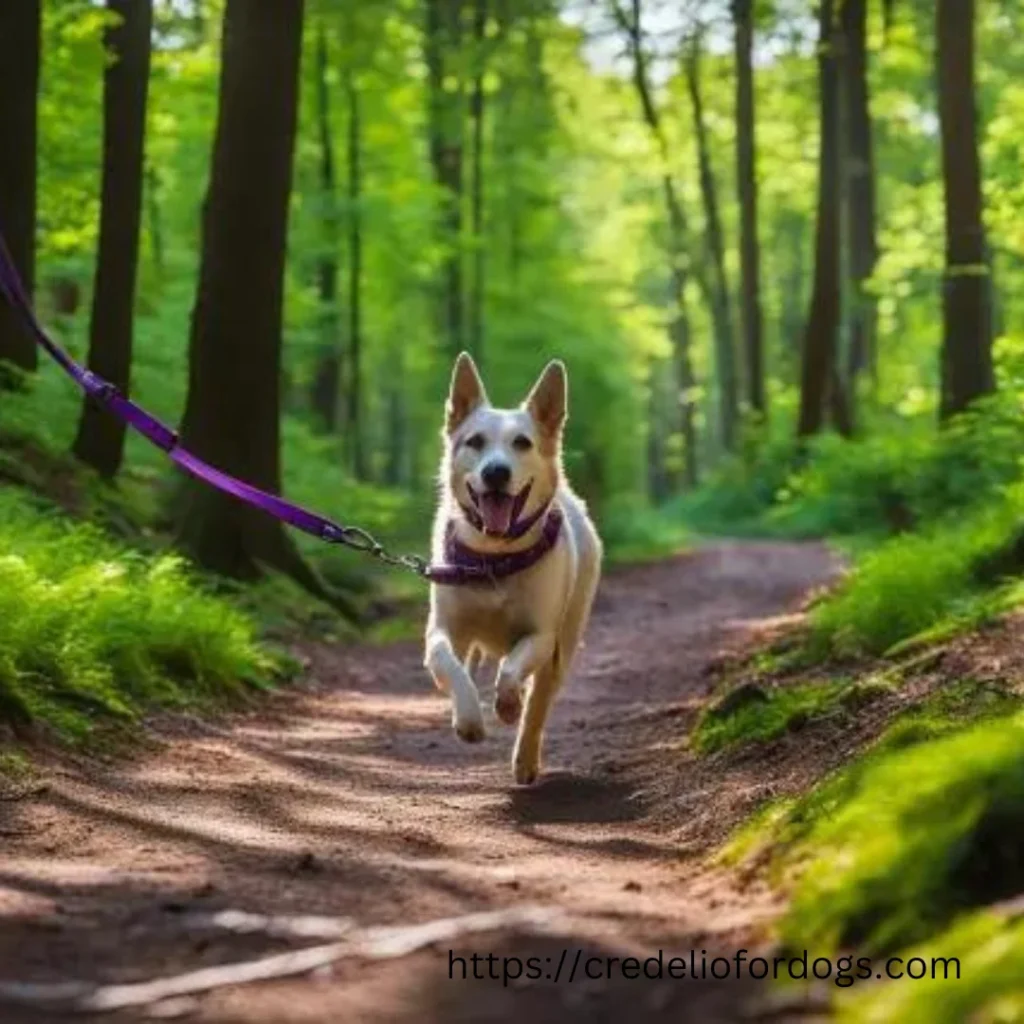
(496, 476)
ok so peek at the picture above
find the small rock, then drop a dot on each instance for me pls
(632, 886)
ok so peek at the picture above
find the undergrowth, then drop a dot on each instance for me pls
(918, 586)
(92, 630)
(898, 852)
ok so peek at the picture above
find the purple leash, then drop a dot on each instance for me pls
(465, 566)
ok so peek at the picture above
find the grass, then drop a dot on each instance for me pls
(920, 587)
(91, 630)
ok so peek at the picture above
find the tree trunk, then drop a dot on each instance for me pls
(326, 385)
(721, 301)
(354, 404)
(476, 112)
(818, 370)
(860, 188)
(678, 243)
(967, 371)
(100, 440)
(443, 41)
(746, 187)
(232, 413)
(19, 88)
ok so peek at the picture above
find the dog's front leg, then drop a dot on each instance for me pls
(444, 663)
(518, 665)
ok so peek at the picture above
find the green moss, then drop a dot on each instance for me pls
(909, 836)
(984, 986)
(750, 714)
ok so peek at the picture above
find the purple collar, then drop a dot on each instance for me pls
(463, 564)
(517, 527)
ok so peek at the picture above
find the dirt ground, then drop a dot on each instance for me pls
(350, 797)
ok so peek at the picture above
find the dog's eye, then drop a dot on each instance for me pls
(475, 441)
(522, 443)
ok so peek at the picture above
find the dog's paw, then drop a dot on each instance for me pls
(508, 706)
(526, 769)
(470, 730)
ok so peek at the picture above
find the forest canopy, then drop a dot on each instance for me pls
(738, 223)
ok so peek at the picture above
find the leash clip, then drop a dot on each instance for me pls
(99, 390)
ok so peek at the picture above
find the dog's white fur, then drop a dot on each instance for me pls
(532, 621)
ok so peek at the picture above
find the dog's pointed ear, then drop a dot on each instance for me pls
(549, 398)
(466, 393)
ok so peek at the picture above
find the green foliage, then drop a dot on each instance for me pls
(919, 583)
(633, 532)
(91, 631)
(900, 475)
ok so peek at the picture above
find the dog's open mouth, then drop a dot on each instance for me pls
(496, 511)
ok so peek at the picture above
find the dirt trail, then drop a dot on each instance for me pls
(350, 796)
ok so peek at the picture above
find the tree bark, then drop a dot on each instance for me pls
(443, 42)
(746, 187)
(326, 385)
(100, 440)
(20, 29)
(967, 372)
(354, 404)
(232, 413)
(818, 371)
(721, 300)
(476, 113)
(678, 242)
(860, 188)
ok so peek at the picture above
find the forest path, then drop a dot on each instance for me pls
(350, 796)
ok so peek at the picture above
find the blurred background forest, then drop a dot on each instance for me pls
(776, 242)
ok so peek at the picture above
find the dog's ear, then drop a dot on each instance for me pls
(548, 399)
(466, 393)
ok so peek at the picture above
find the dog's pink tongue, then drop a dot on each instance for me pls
(496, 512)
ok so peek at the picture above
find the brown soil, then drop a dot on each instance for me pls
(350, 796)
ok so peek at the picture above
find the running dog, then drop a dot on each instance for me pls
(506, 512)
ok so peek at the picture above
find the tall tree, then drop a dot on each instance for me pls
(326, 384)
(859, 159)
(443, 41)
(100, 440)
(232, 413)
(354, 399)
(476, 113)
(19, 90)
(746, 187)
(631, 23)
(818, 372)
(720, 298)
(967, 371)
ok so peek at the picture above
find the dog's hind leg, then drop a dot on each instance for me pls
(526, 757)
(444, 660)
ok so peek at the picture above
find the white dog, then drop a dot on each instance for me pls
(523, 555)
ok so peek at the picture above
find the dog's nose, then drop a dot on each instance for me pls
(496, 476)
